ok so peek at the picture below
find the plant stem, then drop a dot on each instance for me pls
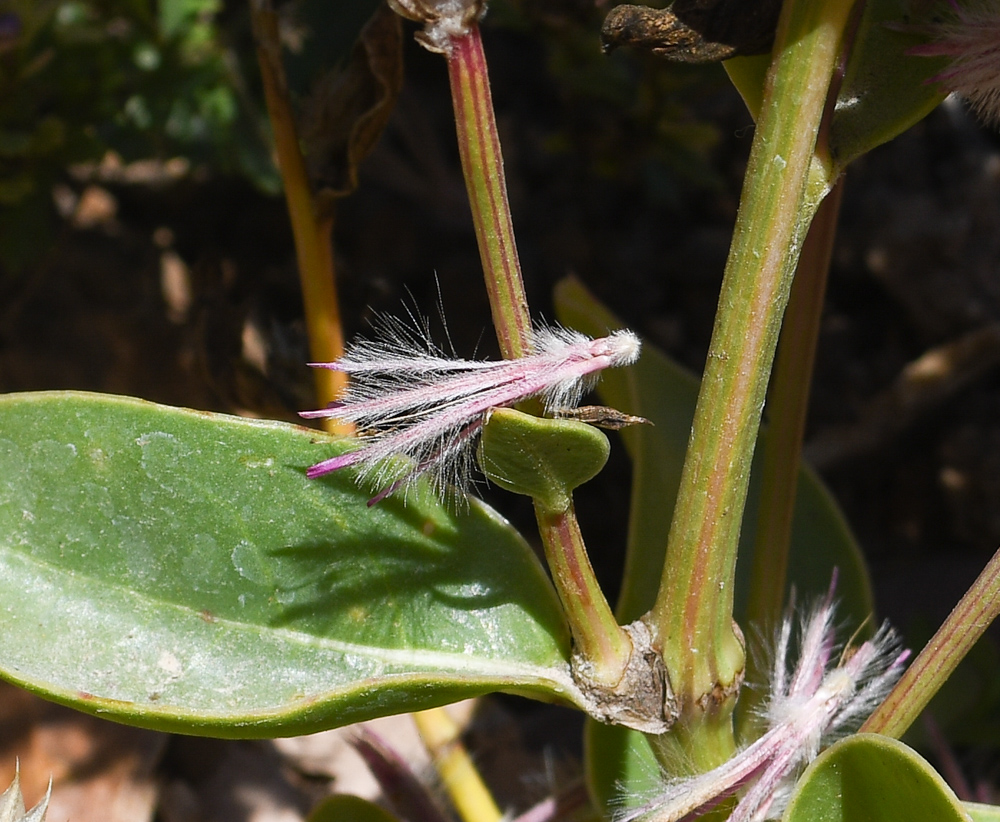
(482, 165)
(787, 406)
(939, 658)
(459, 777)
(311, 231)
(604, 647)
(601, 644)
(692, 616)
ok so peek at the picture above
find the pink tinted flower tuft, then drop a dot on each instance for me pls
(970, 35)
(408, 399)
(810, 706)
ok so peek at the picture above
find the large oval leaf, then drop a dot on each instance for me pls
(177, 570)
(872, 778)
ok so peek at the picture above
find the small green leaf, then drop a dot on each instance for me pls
(748, 74)
(177, 570)
(541, 458)
(346, 808)
(872, 778)
(885, 90)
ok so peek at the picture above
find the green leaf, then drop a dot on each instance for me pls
(885, 90)
(982, 813)
(176, 570)
(664, 393)
(616, 760)
(748, 74)
(872, 778)
(346, 808)
(541, 458)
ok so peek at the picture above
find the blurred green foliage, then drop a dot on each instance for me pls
(142, 78)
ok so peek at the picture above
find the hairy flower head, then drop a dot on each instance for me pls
(969, 34)
(409, 399)
(811, 705)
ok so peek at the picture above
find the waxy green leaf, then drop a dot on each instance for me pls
(343, 807)
(872, 778)
(176, 570)
(885, 90)
(981, 813)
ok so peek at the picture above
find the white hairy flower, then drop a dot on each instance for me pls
(809, 708)
(12, 803)
(409, 399)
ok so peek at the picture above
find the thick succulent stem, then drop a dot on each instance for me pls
(692, 618)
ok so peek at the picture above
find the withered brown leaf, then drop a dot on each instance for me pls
(348, 108)
(694, 31)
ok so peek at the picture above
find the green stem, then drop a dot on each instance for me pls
(599, 642)
(787, 406)
(692, 615)
(603, 646)
(482, 165)
(939, 658)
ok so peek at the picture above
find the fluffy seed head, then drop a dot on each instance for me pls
(810, 705)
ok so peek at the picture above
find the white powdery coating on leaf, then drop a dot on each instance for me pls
(409, 398)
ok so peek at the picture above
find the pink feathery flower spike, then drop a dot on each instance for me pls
(407, 398)
(969, 35)
(809, 707)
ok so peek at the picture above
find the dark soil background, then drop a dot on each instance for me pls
(179, 286)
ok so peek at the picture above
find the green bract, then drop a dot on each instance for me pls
(872, 778)
(542, 458)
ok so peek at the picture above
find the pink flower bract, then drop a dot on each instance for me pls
(428, 407)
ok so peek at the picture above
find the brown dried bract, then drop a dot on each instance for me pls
(695, 31)
(643, 700)
(601, 416)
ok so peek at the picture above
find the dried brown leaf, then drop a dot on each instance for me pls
(349, 107)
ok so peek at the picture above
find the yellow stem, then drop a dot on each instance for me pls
(311, 231)
(469, 795)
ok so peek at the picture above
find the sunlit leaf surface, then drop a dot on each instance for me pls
(177, 570)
